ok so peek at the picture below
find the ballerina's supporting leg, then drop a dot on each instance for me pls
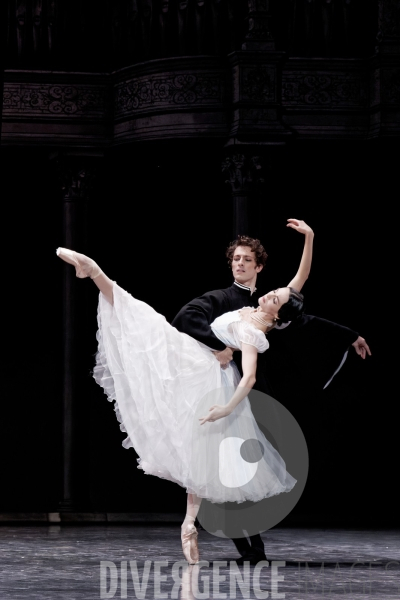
(86, 267)
(189, 531)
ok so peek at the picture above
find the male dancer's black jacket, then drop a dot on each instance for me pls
(308, 344)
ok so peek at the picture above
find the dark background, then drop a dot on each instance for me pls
(158, 221)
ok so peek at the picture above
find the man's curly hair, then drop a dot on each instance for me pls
(253, 244)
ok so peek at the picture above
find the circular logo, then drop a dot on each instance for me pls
(250, 467)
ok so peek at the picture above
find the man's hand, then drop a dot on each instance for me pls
(224, 356)
(361, 347)
(215, 412)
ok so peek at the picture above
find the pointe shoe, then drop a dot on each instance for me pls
(194, 548)
(189, 543)
(84, 266)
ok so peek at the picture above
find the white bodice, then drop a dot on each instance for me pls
(232, 330)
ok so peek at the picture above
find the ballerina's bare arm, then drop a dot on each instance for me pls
(360, 345)
(249, 367)
(305, 264)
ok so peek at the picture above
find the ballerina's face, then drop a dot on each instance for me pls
(271, 302)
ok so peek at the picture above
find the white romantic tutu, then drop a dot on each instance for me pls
(162, 381)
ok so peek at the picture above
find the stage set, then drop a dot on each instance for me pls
(148, 135)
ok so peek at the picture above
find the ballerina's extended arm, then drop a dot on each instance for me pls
(305, 264)
(360, 345)
(249, 366)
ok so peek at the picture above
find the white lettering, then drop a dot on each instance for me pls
(217, 579)
(178, 581)
(275, 564)
(194, 581)
(158, 578)
(124, 581)
(140, 589)
(259, 593)
(106, 565)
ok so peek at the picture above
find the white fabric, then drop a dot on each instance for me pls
(233, 331)
(162, 381)
(337, 370)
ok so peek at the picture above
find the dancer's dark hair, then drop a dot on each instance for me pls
(292, 309)
(254, 245)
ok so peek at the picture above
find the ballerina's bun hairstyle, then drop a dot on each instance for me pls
(254, 245)
(292, 308)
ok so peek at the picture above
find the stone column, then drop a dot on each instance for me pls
(256, 74)
(256, 127)
(76, 175)
(385, 73)
(244, 176)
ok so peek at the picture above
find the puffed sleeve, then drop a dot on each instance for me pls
(244, 332)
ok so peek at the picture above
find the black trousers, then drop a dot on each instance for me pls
(244, 547)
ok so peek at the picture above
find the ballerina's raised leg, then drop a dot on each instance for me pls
(86, 267)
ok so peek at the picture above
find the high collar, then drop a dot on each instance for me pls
(245, 289)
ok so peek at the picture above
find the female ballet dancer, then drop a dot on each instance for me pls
(167, 386)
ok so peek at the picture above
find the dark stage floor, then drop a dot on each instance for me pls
(64, 562)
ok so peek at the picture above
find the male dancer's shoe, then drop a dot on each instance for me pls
(252, 557)
(84, 266)
(252, 552)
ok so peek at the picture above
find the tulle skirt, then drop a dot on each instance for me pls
(162, 381)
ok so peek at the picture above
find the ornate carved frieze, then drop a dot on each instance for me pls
(374, 85)
(76, 175)
(256, 95)
(389, 17)
(167, 90)
(188, 98)
(391, 86)
(33, 99)
(243, 172)
(258, 84)
(321, 89)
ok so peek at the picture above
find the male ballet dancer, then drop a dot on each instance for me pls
(247, 258)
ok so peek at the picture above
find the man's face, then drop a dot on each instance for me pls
(244, 266)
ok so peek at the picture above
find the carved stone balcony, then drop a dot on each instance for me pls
(190, 70)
